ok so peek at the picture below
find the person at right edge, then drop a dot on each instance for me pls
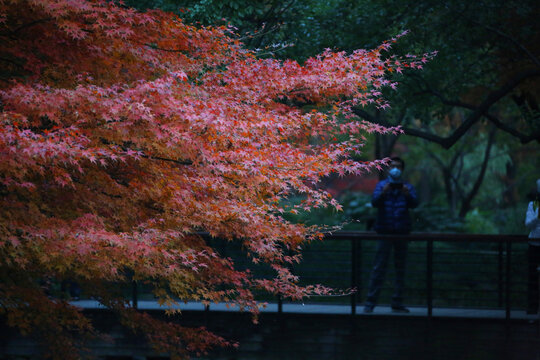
(532, 221)
(393, 198)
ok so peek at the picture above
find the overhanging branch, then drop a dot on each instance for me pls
(511, 39)
(478, 111)
(524, 138)
(180, 162)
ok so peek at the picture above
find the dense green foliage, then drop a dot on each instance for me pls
(471, 118)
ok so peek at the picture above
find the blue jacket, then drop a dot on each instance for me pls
(393, 208)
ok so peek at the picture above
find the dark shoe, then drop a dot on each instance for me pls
(368, 309)
(400, 309)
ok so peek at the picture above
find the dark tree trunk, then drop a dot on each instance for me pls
(466, 204)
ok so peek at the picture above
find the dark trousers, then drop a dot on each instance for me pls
(384, 247)
(532, 283)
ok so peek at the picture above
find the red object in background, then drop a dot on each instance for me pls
(340, 185)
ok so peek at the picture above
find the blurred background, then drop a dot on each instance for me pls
(471, 117)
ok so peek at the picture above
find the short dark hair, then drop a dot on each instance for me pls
(399, 160)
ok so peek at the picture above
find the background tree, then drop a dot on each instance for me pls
(486, 71)
(124, 134)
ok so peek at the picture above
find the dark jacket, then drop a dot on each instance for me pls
(393, 208)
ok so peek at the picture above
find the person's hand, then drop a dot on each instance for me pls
(405, 190)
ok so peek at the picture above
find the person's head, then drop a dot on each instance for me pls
(395, 169)
(397, 162)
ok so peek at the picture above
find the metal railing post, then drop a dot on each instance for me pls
(354, 280)
(500, 284)
(507, 280)
(206, 315)
(429, 277)
(538, 308)
(135, 295)
(358, 268)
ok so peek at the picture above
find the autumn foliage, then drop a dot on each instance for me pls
(125, 134)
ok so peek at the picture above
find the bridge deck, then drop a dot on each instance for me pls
(296, 308)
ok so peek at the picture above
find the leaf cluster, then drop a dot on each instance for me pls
(127, 135)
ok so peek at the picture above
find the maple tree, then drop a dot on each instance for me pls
(124, 134)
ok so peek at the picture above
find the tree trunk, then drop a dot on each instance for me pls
(467, 201)
(510, 193)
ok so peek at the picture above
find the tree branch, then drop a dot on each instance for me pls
(12, 62)
(151, 157)
(181, 162)
(30, 24)
(514, 41)
(478, 112)
(409, 131)
(367, 116)
(155, 47)
(524, 138)
(394, 138)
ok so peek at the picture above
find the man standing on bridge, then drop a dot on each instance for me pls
(392, 197)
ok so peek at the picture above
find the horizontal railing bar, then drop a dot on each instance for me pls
(419, 236)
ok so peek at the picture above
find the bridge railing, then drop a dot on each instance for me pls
(443, 270)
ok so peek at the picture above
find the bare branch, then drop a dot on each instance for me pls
(258, 34)
(155, 47)
(24, 26)
(151, 157)
(181, 162)
(479, 111)
(524, 138)
(12, 62)
(514, 41)
(367, 116)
